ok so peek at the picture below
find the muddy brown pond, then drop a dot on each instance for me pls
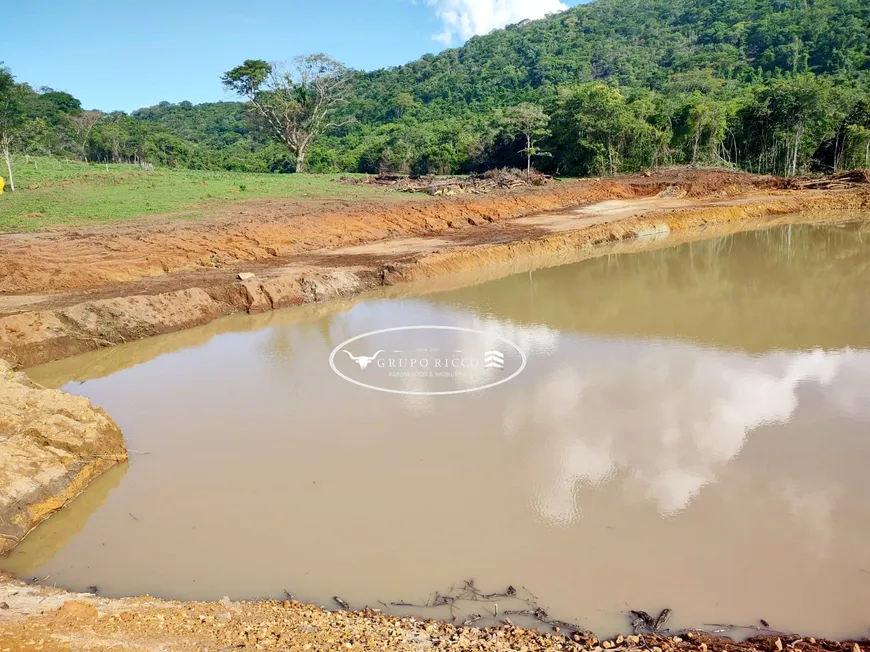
(691, 430)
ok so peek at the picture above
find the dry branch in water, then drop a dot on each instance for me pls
(469, 593)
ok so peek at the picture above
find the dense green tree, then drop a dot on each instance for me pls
(598, 131)
(787, 120)
(51, 105)
(37, 137)
(530, 122)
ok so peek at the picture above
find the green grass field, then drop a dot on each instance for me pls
(51, 192)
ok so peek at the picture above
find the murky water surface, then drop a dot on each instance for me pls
(692, 430)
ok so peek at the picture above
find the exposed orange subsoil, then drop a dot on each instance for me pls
(69, 291)
(265, 230)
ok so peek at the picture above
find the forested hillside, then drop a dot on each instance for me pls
(773, 86)
(678, 81)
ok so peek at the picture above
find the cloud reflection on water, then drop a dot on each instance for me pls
(661, 417)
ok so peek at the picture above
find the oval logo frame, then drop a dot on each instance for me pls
(523, 360)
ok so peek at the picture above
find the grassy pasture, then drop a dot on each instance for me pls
(52, 192)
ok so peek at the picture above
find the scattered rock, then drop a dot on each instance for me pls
(246, 276)
(778, 645)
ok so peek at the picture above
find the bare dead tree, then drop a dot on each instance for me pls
(11, 116)
(6, 148)
(82, 125)
(297, 102)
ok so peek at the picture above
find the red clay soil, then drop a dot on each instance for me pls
(78, 259)
(69, 291)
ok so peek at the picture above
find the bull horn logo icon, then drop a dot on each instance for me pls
(363, 360)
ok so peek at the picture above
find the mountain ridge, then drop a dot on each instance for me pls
(773, 86)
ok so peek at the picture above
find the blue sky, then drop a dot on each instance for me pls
(120, 54)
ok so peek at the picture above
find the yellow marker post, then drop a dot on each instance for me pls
(2, 183)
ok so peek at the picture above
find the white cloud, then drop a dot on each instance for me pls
(466, 18)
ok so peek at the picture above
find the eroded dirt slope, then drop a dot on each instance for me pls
(52, 444)
(82, 259)
(429, 239)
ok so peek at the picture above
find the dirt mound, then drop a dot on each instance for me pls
(696, 182)
(52, 445)
(475, 184)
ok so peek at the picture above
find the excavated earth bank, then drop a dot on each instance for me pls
(52, 445)
(70, 291)
(67, 292)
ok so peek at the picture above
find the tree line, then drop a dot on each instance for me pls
(769, 86)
